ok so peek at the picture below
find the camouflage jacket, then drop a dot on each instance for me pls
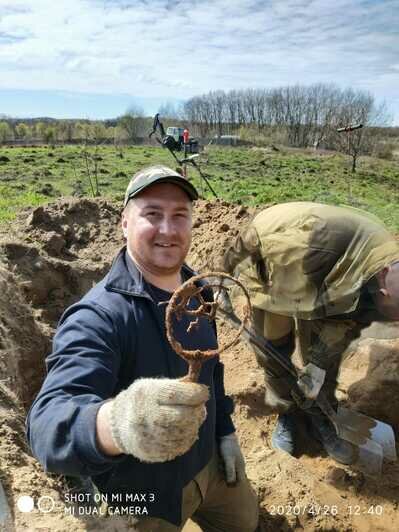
(309, 260)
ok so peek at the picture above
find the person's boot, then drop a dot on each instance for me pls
(324, 431)
(283, 436)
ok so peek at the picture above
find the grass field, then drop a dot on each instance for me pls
(33, 176)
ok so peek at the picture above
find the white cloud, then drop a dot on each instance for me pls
(177, 49)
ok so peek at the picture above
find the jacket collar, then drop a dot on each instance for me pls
(124, 277)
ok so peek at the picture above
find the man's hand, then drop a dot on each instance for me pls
(233, 459)
(156, 420)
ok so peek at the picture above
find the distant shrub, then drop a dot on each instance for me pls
(384, 150)
(262, 138)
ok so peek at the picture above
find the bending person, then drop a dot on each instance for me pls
(317, 275)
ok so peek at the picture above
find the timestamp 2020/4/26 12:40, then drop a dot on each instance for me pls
(325, 509)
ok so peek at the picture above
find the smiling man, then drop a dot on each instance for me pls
(112, 406)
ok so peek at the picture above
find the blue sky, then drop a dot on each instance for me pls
(95, 58)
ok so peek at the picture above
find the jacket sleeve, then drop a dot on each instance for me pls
(246, 246)
(82, 373)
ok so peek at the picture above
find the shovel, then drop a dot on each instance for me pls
(373, 440)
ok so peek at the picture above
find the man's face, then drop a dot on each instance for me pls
(157, 226)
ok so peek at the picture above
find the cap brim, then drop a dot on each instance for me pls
(188, 188)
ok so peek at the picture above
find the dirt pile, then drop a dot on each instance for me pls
(215, 224)
(53, 254)
(60, 250)
(369, 375)
(311, 492)
(22, 475)
(22, 344)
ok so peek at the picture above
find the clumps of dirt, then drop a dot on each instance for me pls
(23, 346)
(305, 492)
(368, 379)
(215, 224)
(55, 255)
(47, 190)
(78, 189)
(22, 475)
(89, 228)
(61, 250)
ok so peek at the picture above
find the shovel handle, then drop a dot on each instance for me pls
(259, 341)
(269, 350)
(325, 406)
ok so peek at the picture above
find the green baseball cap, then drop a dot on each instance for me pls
(158, 174)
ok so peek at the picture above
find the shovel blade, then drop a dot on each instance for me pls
(373, 440)
(369, 458)
(363, 428)
(368, 454)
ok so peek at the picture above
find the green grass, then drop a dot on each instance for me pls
(34, 176)
(12, 200)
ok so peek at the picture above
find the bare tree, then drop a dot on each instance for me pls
(50, 135)
(218, 101)
(133, 122)
(5, 132)
(65, 130)
(119, 138)
(306, 115)
(357, 107)
(94, 135)
(325, 103)
(169, 111)
(22, 131)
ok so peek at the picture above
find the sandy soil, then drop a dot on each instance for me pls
(51, 255)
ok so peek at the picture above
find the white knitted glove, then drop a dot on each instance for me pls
(233, 459)
(156, 420)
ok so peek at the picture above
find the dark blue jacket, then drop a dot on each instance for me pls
(112, 336)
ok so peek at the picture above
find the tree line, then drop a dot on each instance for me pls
(297, 116)
(129, 127)
(51, 131)
(307, 115)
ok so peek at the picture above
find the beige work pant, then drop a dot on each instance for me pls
(212, 504)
